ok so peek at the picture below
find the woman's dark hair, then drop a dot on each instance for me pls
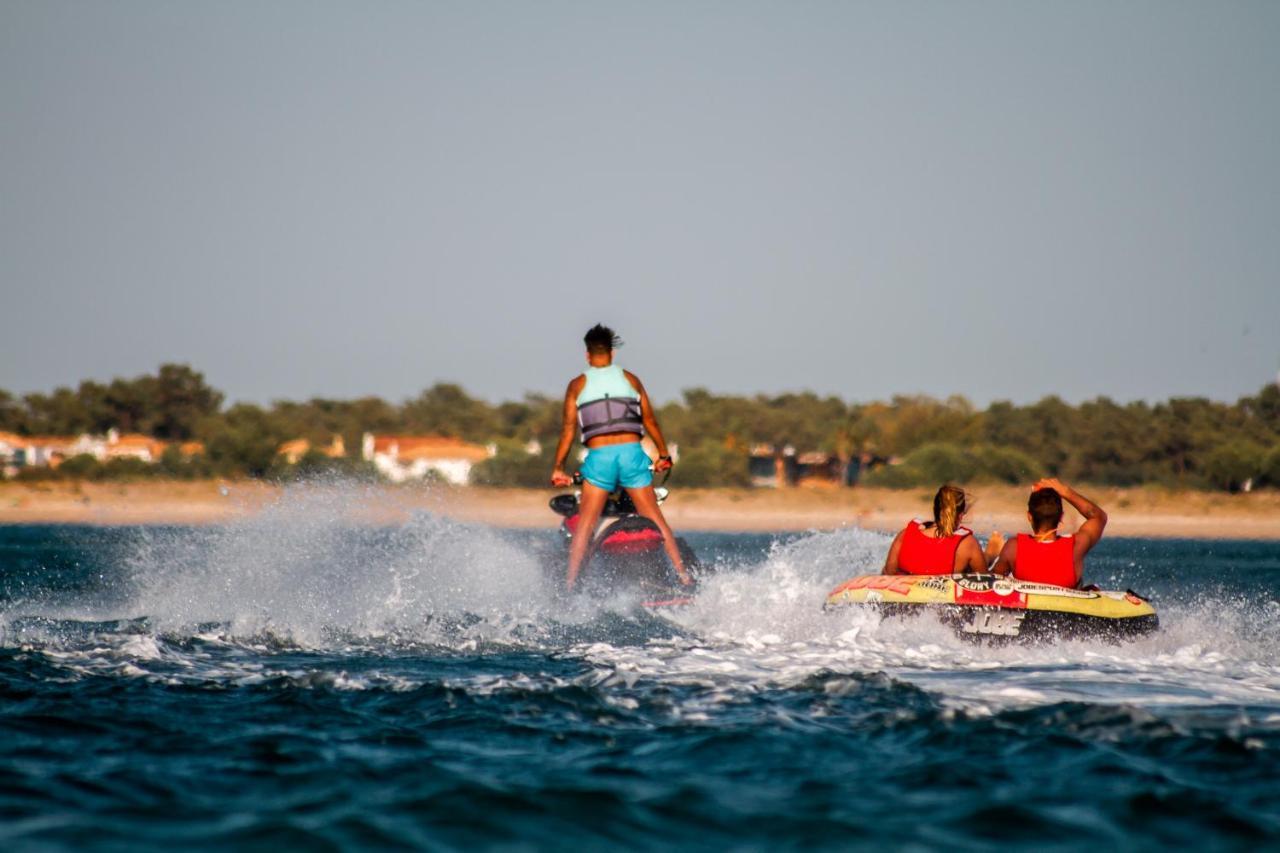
(1045, 506)
(601, 339)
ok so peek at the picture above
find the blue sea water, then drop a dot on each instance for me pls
(301, 680)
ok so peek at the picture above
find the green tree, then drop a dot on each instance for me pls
(178, 399)
(1229, 466)
(82, 466)
(1270, 472)
(512, 465)
(1004, 464)
(59, 413)
(709, 464)
(446, 409)
(244, 440)
(12, 415)
(929, 465)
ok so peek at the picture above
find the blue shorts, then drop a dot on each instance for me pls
(615, 465)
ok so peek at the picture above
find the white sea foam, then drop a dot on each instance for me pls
(306, 569)
(761, 626)
(310, 573)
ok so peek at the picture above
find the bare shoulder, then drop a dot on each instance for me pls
(575, 385)
(633, 379)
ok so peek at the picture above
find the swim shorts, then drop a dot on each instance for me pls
(614, 465)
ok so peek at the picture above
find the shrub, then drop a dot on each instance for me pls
(513, 466)
(929, 465)
(126, 468)
(1005, 465)
(81, 467)
(709, 465)
(1228, 466)
(1270, 471)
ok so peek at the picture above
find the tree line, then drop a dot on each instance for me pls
(1183, 442)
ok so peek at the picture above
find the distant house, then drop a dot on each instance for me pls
(13, 448)
(293, 451)
(413, 457)
(767, 465)
(10, 443)
(23, 451)
(50, 450)
(115, 445)
(818, 469)
(132, 445)
(774, 467)
(26, 451)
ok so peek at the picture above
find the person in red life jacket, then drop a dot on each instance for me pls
(1045, 555)
(941, 546)
(613, 410)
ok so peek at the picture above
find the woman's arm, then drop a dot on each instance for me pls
(891, 559)
(968, 557)
(568, 429)
(650, 423)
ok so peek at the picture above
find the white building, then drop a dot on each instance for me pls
(413, 457)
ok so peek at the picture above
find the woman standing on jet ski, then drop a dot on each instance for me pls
(614, 412)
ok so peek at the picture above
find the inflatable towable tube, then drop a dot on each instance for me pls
(995, 607)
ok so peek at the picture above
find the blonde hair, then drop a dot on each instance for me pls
(948, 507)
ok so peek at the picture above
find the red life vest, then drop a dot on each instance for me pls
(922, 554)
(1046, 562)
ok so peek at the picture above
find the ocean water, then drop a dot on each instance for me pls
(302, 680)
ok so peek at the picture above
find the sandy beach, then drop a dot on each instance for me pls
(1133, 512)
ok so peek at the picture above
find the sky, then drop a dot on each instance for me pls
(1001, 200)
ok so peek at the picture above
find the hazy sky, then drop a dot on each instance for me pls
(1002, 200)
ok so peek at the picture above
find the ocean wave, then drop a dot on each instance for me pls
(309, 574)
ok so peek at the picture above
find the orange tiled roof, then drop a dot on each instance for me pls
(429, 447)
(299, 447)
(49, 440)
(133, 442)
(134, 439)
(470, 452)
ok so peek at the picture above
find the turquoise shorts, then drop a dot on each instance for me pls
(614, 465)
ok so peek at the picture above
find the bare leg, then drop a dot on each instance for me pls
(647, 505)
(589, 508)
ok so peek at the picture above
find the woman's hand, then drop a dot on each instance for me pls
(663, 463)
(560, 479)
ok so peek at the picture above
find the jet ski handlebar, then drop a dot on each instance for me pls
(619, 503)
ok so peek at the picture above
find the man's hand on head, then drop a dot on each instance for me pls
(1050, 483)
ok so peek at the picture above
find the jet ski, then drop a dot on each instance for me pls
(998, 608)
(626, 552)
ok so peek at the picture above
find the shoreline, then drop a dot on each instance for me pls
(1137, 512)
